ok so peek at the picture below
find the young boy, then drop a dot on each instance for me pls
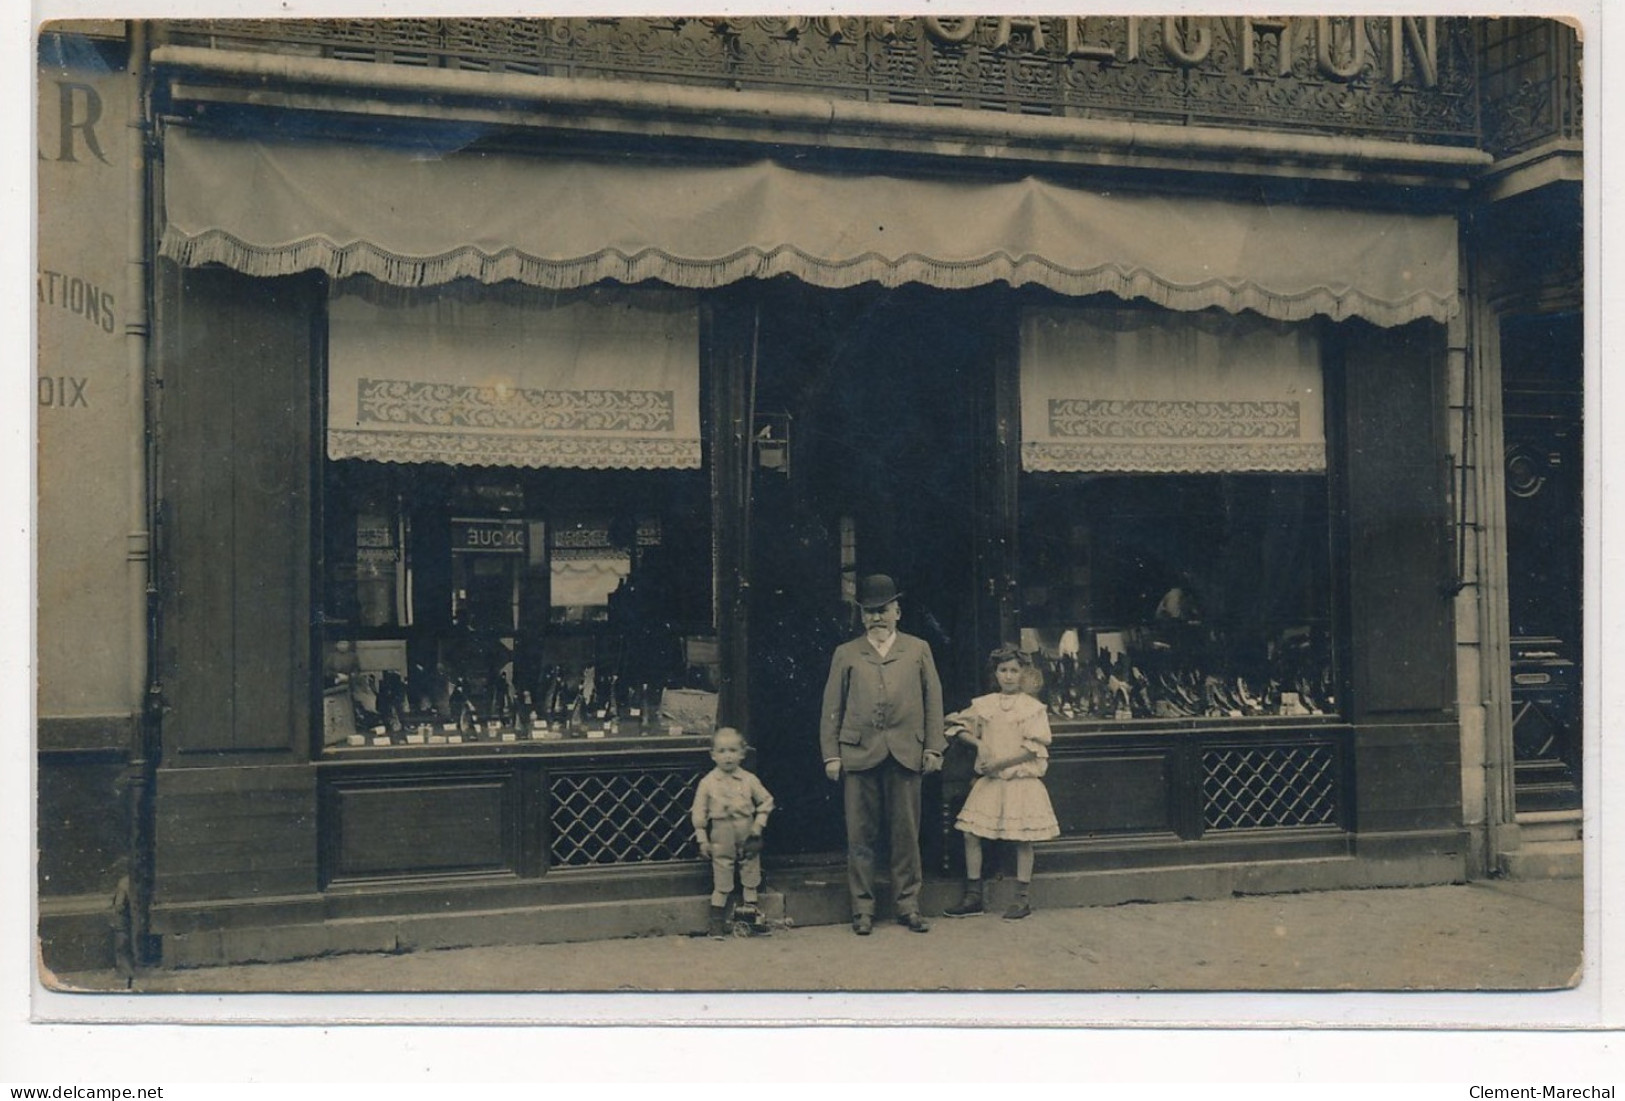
(730, 812)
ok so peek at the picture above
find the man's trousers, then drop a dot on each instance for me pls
(886, 797)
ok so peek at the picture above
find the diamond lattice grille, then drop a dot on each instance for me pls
(1270, 786)
(621, 817)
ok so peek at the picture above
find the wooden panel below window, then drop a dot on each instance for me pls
(422, 825)
(1124, 792)
(234, 832)
(1408, 776)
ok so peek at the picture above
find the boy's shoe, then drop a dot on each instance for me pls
(1017, 911)
(863, 924)
(715, 927)
(969, 906)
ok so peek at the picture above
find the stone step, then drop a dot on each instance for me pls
(805, 896)
(1550, 825)
(1544, 860)
(551, 924)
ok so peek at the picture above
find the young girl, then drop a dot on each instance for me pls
(1011, 733)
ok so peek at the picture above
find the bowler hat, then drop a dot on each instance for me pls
(876, 591)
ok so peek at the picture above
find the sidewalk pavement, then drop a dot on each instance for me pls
(1492, 935)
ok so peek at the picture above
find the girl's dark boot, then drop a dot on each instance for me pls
(971, 904)
(1020, 907)
(715, 927)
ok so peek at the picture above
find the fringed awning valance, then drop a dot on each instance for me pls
(596, 380)
(411, 218)
(1137, 391)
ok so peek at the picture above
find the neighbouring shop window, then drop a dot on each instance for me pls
(517, 529)
(1174, 527)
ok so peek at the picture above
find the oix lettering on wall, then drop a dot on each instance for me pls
(64, 392)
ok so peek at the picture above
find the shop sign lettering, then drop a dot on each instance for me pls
(1406, 77)
(1341, 42)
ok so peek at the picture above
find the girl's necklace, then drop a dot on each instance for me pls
(1007, 701)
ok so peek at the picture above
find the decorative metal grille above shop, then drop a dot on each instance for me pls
(1406, 78)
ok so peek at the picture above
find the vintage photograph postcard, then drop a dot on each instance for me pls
(811, 503)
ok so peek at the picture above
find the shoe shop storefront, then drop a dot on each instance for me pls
(526, 404)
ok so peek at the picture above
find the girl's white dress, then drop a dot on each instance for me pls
(1010, 804)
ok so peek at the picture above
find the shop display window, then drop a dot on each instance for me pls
(472, 606)
(517, 524)
(1178, 596)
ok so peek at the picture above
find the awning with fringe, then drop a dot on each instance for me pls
(419, 218)
(1140, 391)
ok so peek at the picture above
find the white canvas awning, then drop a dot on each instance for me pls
(414, 218)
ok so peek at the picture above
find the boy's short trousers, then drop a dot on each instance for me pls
(728, 837)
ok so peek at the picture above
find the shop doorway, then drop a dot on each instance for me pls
(1542, 372)
(873, 455)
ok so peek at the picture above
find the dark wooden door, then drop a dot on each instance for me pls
(1542, 370)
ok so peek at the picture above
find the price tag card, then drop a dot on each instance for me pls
(510, 737)
(382, 739)
(595, 734)
(437, 739)
(449, 728)
(416, 739)
(356, 739)
(454, 739)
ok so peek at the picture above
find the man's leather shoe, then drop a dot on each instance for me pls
(915, 923)
(863, 924)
